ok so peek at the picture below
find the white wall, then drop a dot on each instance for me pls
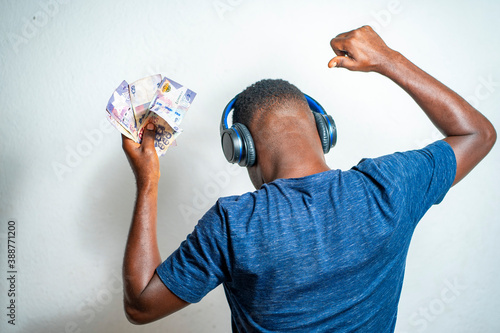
(56, 79)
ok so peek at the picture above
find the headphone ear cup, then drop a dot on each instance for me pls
(248, 158)
(324, 135)
(231, 145)
(333, 137)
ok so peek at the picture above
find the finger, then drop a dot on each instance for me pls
(350, 32)
(125, 139)
(332, 63)
(148, 137)
(340, 46)
(341, 61)
(128, 144)
(345, 34)
(342, 53)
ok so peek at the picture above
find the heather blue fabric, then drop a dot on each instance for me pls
(321, 253)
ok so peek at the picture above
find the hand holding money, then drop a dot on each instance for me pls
(143, 158)
(152, 99)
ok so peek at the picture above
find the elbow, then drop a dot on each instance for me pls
(489, 136)
(483, 136)
(135, 316)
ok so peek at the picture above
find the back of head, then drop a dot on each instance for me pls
(281, 124)
(266, 96)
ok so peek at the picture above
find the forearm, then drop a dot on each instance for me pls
(468, 132)
(449, 112)
(141, 253)
(146, 298)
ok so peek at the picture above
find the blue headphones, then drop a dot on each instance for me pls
(237, 142)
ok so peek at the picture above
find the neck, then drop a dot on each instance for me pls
(287, 145)
(299, 164)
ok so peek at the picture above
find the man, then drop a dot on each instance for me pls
(312, 249)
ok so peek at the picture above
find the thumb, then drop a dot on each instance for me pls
(341, 61)
(148, 136)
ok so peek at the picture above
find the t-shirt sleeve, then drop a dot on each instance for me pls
(417, 179)
(199, 264)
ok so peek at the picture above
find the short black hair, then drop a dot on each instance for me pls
(262, 96)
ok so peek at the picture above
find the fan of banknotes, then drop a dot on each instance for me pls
(152, 99)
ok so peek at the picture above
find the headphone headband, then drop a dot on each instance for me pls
(225, 114)
(313, 105)
(237, 142)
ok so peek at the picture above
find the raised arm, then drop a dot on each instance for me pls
(468, 132)
(146, 298)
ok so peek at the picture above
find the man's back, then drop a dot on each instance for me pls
(315, 253)
(329, 253)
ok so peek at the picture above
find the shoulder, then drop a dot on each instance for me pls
(429, 171)
(437, 154)
(230, 205)
(237, 205)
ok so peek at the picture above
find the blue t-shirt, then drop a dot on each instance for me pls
(320, 253)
